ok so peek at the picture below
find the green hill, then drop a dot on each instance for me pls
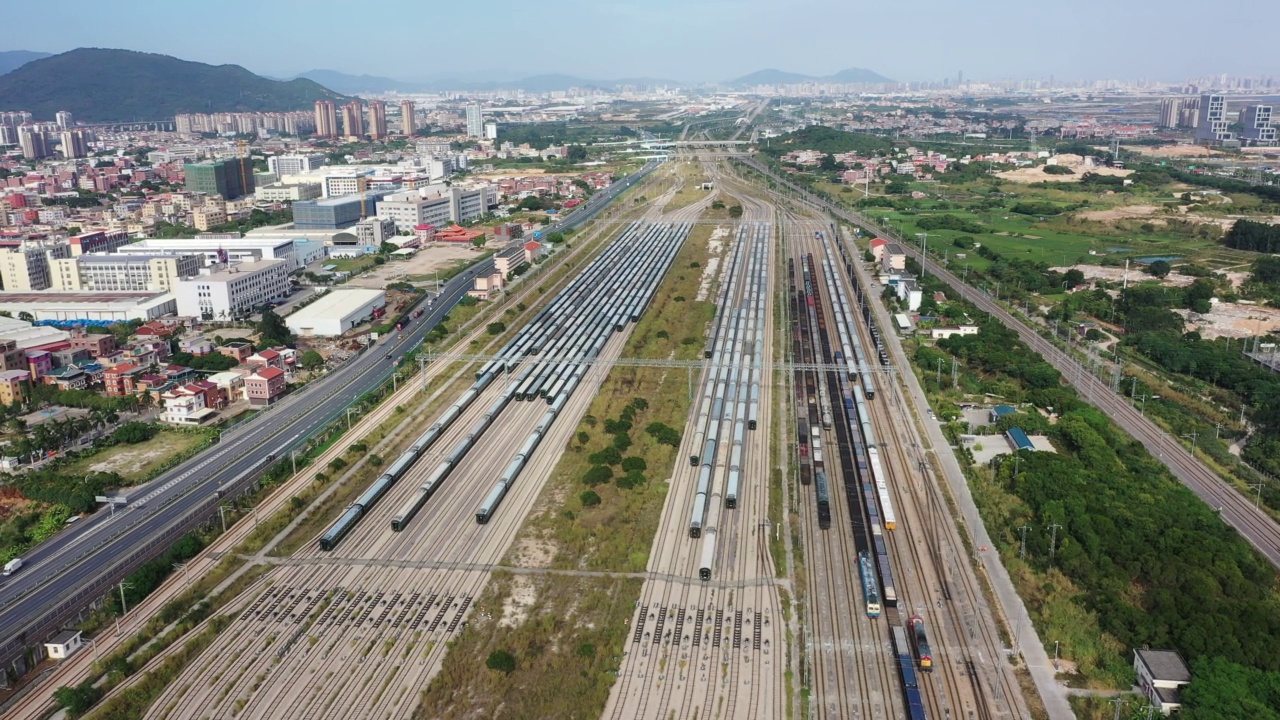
(108, 85)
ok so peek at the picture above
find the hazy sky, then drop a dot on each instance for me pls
(679, 39)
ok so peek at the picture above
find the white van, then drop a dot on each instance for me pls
(13, 566)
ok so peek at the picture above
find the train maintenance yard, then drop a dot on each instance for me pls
(708, 637)
(877, 614)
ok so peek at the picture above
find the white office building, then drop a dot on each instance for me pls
(280, 192)
(233, 291)
(283, 165)
(123, 273)
(437, 205)
(220, 250)
(475, 121)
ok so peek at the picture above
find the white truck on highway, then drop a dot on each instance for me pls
(13, 566)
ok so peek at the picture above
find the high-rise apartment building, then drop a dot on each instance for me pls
(1170, 112)
(353, 120)
(491, 131)
(1258, 129)
(1212, 124)
(283, 165)
(378, 120)
(34, 142)
(326, 119)
(475, 121)
(229, 178)
(74, 143)
(408, 123)
(64, 120)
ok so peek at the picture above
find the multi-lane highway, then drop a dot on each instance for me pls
(76, 567)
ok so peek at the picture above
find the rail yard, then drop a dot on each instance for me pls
(877, 614)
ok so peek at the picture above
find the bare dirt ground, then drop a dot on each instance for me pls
(428, 260)
(1157, 215)
(1037, 174)
(1233, 320)
(1117, 274)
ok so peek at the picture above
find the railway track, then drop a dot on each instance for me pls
(681, 660)
(865, 682)
(305, 684)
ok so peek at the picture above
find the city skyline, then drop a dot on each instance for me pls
(714, 40)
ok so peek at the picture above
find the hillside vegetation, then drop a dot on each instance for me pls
(114, 85)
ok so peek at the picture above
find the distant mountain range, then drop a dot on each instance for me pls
(13, 59)
(851, 76)
(372, 84)
(109, 85)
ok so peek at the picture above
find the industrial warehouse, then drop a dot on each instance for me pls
(336, 312)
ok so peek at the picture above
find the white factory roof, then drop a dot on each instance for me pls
(337, 304)
(27, 335)
(235, 270)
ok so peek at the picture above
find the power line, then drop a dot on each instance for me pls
(641, 362)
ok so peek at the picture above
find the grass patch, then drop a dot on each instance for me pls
(137, 463)
(616, 533)
(566, 652)
(691, 174)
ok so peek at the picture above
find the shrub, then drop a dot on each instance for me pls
(664, 434)
(375, 460)
(589, 498)
(496, 328)
(634, 464)
(621, 442)
(597, 475)
(586, 650)
(134, 432)
(583, 437)
(631, 480)
(608, 456)
(502, 661)
(357, 447)
(337, 464)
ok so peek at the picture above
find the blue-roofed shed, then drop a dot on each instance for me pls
(1018, 440)
(1000, 411)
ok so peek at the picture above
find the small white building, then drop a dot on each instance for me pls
(233, 291)
(336, 312)
(942, 333)
(1161, 676)
(64, 644)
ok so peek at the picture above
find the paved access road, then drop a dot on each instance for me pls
(77, 566)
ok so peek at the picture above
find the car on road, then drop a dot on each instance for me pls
(387, 357)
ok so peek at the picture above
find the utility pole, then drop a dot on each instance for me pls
(938, 374)
(1217, 431)
(1119, 703)
(1257, 501)
(222, 514)
(1022, 548)
(924, 253)
(186, 576)
(1053, 544)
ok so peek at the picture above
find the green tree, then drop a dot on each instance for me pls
(589, 498)
(272, 330)
(78, 699)
(533, 202)
(25, 316)
(735, 211)
(496, 328)
(1159, 268)
(311, 360)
